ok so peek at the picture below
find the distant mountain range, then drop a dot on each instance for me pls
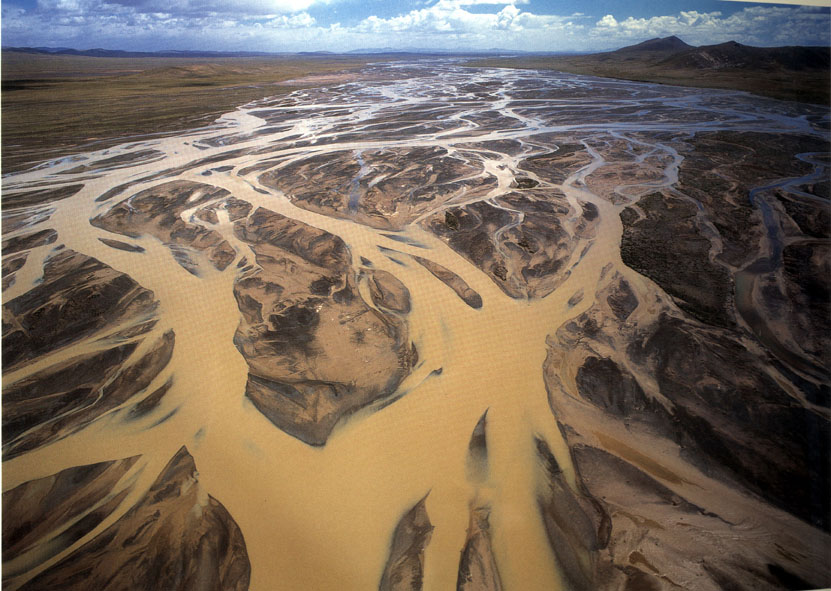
(724, 55)
(673, 53)
(425, 51)
(142, 54)
(225, 54)
(795, 72)
(736, 55)
(792, 73)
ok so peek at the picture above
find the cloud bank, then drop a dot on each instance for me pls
(290, 25)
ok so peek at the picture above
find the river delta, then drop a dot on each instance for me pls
(422, 327)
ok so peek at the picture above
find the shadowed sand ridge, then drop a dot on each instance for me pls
(77, 297)
(176, 537)
(46, 516)
(453, 281)
(385, 189)
(316, 350)
(653, 426)
(405, 566)
(522, 240)
(158, 212)
(477, 451)
(477, 568)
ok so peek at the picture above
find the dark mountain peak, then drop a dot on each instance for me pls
(729, 46)
(733, 55)
(666, 44)
(674, 42)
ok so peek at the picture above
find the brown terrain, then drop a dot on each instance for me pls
(453, 281)
(478, 570)
(316, 351)
(789, 73)
(703, 416)
(54, 104)
(175, 537)
(688, 383)
(425, 326)
(158, 212)
(385, 189)
(523, 241)
(79, 302)
(405, 566)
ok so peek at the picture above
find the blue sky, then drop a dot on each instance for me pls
(342, 25)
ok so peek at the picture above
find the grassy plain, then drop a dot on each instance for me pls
(51, 104)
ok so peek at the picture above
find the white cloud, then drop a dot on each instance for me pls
(450, 16)
(283, 25)
(180, 7)
(826, 3)
(752, 25)
(457, 3)
(295, 21)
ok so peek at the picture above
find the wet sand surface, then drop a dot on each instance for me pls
(438, 326)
